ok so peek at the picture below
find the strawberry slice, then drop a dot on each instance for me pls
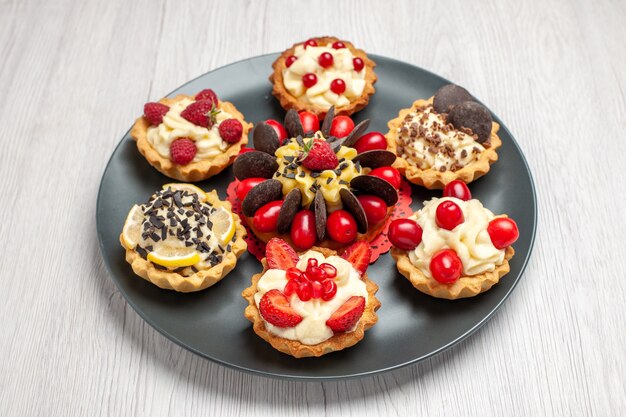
(347, 315)
(359, 255)
(280, 255)
(275, 309)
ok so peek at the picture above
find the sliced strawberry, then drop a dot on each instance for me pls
(359, 255)
(280, 255)
(275, 309)
(346, 316)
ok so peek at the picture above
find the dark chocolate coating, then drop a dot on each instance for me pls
(288, 211)
(367, 184)
(269, 190)
(254, 164)
(319, 205)
(293, 125)
(265, 138)
(375, 158)
(353, 206)
(449, 96)
(328, 121)
(356, 133)
(474, 116)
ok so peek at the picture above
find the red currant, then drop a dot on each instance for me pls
(329, 289)
(246, 185)
(446, 266)
(317, 289)
(290, 60)
(325, 60)
(303, 232)
(309, 79)
(458, 189)
(311, 263)
(503, 232)
(374, 207)
(338, 45)
(371, 141)
(305, 291)
(331, 271)
(389, 174)
(291, 287)
(449, 215)
(341, 126)
(310, 42)
(310, 122)
(358, 64)
(338, 86)
(293, 273)
(405, 234)
(266, 218)
(278, 128)
(341, 226)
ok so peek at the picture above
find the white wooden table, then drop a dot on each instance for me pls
(75, 74)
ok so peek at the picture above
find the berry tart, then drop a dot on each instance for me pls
(313, 188)
(190, 138)
(453, 247)
(323, 72)
(313, 303)
(183, 239)
(445, 138)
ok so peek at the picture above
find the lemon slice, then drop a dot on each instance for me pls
(132, 227)
(187, 187)
(174, 257)
(223, 225)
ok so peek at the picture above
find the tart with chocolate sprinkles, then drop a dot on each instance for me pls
(182, 238)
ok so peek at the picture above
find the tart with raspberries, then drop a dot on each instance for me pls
(323, 72)
(191, 138)
(453, 247)
(448, 137)
(314, 188)
(312, 303)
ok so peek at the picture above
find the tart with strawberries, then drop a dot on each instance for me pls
(453, 247)
(182, 238)
(315, 188)
(191, 138)
(312, 303)
(448, 137)
(323, 72)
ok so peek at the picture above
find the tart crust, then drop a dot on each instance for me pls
(194, 171)
(199, 280)
(300, 350)
(287, 101)
(466, 286)
(434, 179)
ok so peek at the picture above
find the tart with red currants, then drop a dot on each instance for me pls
(448, 137)
(314, 187)
(323, 72)
(191, 138)
(453, 247)
(312, 303)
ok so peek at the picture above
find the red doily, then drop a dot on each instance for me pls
(379, 245)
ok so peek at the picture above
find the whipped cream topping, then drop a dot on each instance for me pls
(174, 126)
(428, 141)
(315, 312)
(320, 94)
(470, 240)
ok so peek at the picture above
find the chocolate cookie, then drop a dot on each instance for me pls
(474, 116)
(254, 164)
(449, 96)
(260, 195)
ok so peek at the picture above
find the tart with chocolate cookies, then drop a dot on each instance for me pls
(323, 72)
(448, 137)
(190, 138)
(313, 188)
(312, 303)
(453, 247)
(182, 238)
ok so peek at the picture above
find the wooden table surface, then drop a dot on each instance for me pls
(74, 76)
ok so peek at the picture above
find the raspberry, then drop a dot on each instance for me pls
(231, 130)
(319, 156)
(154, 112)
(208, 94)
(182, 151)
(201, 113)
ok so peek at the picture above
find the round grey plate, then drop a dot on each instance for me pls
(411, 326)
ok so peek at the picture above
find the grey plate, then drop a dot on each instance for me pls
(411, 326)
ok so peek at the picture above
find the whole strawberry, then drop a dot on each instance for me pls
(182, 151)
(208, 94)
(231, 130)
(154, 112)
(201, 113)
(318, 155)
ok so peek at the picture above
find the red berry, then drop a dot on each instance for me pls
(303, 232)
(374, 207)
(293, 273)
(309, 79)
(325, 60)
(341, 126)
(338, 86)
(389, 174)
(331, 271)
(310, 263)
(358, 64)
(503, 232)
(348, 315)
(266, 217)
(275, 309)
(278, 128)
(405, 234)
(231, 130)
(182, 151)
(199, 113)
(208, 94)
(246, 185)
(371, 141)
(290, 60)
(338, 45)
(317, 289)
(291, 288)
(449, 215)
(310, 122)
(458, 189)
(320, 156)
(310, 42)
(446, 266)
(305, 291)
(280, 255)
(154, 112)
(341, 226)
(359, 255)
(329, 289)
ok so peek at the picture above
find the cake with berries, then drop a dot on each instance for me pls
(323, 72)
(312, 303)
(182, 238)
(313, 188)
(445, 138)
(190, 138)
(453, 247)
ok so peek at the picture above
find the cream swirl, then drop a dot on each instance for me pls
(315, 312)
(174, 126)
(470, 240)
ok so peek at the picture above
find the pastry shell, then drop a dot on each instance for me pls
(433, 178)
(199, 280)
(287, 101)
(300, 350)
(194, 171)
